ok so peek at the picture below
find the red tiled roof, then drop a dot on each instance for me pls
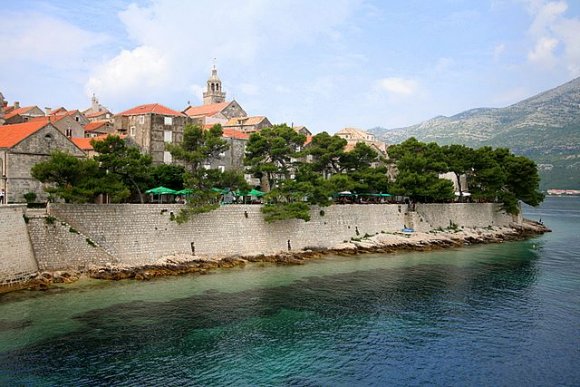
(95, 125)
(152, 108)
(59, 110)
(308, 140)
(47, 119)
(206, 110)
(11, 135)
(12, 112)
(234, 133)
(83, 143)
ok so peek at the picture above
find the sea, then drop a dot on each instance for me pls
(486, 315)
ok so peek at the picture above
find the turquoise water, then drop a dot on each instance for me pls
(506, 314)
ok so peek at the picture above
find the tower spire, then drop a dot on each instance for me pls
(214, 93)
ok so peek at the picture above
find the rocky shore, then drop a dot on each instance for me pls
(380, 243)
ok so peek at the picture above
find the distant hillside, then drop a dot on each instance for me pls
(545, 127)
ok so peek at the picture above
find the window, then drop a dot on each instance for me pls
(222, 168)
(206, 166)
(167, 135)
(168, 120)
(132, 132)
(68, 132)
(222, 154)
(77, 118)
(167, 158)
(141, 120)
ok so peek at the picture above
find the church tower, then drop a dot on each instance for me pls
(214, 93)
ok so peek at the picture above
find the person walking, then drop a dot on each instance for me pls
(2, 196)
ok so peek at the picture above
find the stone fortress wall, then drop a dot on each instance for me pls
(17, 262)
(83, 235)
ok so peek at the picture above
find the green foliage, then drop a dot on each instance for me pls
(284, 211)
(30, 197)
(50, 219)
(493, 174)
(90, 242)
(326, 152)
(125, 162)
(168, 175)
(419, 166)
(200, 202)
(269, 153)
(198, 147)
(77, 180)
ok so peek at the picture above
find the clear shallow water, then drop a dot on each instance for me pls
(504, 314)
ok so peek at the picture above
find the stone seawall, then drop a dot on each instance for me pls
(81, 236)
(17, 261)
(142, 234)
(59, 246)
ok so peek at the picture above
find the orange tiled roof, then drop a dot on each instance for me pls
(11, 135)
(95, 125)
(47, 119)
(152, 108)
(13, 112)
(206, 110)
(308, 140)
(83, 143)
(57, 111)
(234, 133)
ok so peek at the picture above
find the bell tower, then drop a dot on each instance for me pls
(214, 93)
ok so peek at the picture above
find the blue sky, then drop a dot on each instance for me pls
(323, 64)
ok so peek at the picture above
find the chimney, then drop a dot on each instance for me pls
(47, 110)
(16, 105)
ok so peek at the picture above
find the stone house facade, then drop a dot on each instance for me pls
(354, 136)
(21, 147)
(99, 128)
(248, 124)
(65, 123)
(150, 127)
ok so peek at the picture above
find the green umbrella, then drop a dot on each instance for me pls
(252, 192)
(185, 192)
(161, 191)
(255, 192)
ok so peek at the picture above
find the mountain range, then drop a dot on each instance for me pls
(545, 128)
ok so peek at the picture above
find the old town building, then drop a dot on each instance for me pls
(21, 147)
(150, 126)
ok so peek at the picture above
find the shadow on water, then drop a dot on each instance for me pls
(200, 339)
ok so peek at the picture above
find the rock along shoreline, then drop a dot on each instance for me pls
(180, 264)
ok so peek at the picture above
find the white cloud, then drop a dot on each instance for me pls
(143, 68)
(181, 38)
(555, 36)
(398, 86)
(46, 40)
(543, 52)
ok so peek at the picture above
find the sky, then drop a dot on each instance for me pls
(324, 64)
